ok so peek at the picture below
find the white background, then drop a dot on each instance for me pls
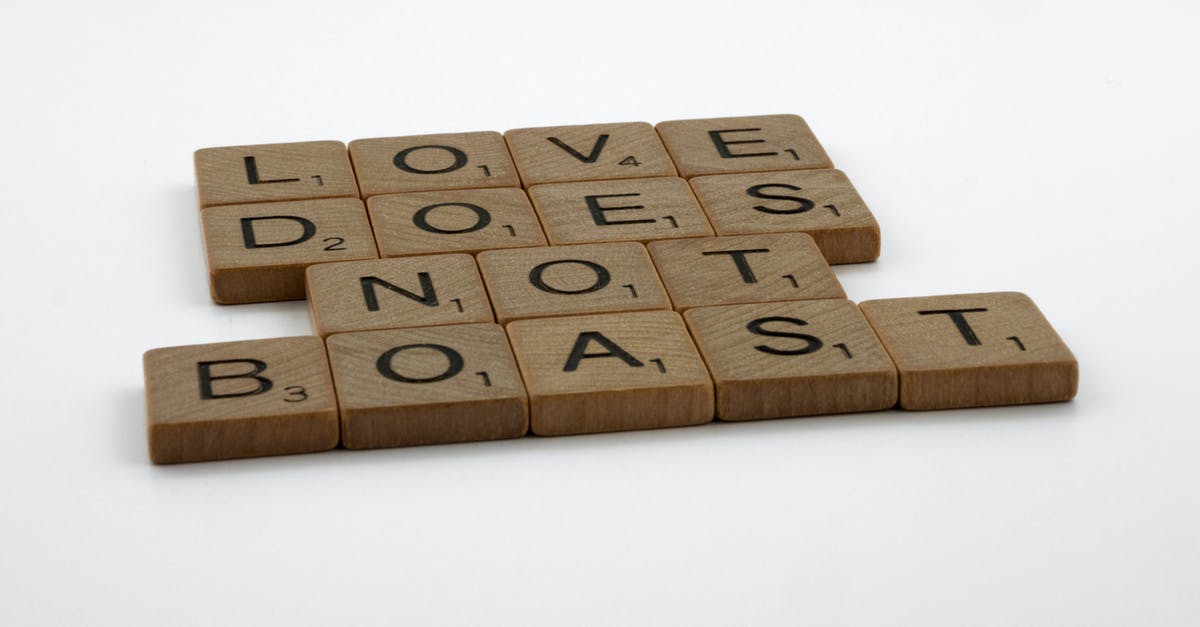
(1044, 147)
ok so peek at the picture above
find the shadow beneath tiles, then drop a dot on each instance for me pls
(130, 430)
(533, 448)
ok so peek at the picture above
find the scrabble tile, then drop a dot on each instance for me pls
(821, 203)
(794, 358)
(973, 350)
(422, 291)
(258, 253)
(234, 175)
(391, 165)
(755, 143)
(565, 280)
(430, 385)
(239, 399)
(588, 152)
(637, 210)
(743, 269)
(611, 372)
(468, 221)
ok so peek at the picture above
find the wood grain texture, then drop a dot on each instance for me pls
(637, 210)
(418, 291)
(258, 253)
(743, 269)
(416, 163)
(239, 399)
(973, 350)
(232, 175)
(822, 203)
(588, 152)
(611, 372)
(798, 358)
(430, 385)
(466, 221)
(566, 280)
(757, 143)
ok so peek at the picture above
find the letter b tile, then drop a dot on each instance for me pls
(239, 399)
(973, 350)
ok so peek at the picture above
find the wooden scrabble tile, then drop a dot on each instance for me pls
(821, 203)
(258, 253)
(795, 358)
(233, 175)
(973, 350)
(429, 385)
(390, 165)
(565, 280)
(637, 210)
(422, 291)
(743, 269)
(239, 399)
(468, 221)
(611, 372)
(588, 152)
(756, 143)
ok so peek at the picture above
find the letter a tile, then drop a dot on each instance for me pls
(239, 399)
(611, 372)
(973, 350)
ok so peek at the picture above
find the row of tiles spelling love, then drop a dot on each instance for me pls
(596, 373)
(529, 156)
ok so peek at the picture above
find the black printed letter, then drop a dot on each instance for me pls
(428, 296)
(756, 192)
(579, 351)
(591, 158)
(739, 259)
(593, 204)
(723, 144)
(249, 239)
(455, 366)
(812, 344)
(401, 159)
(204, 368)
(482, 218)
(960, 322)
(602, 277)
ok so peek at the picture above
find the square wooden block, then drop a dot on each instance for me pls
(821, 203)
(423, 291)
(973, 350)
(239, 399)
(743, 269)
(258, 253)
(632, 210)
(588, 152)
(233, 175)
(466, 221)
(417, 163)
(566, 280)
(756, 143)
(430, 385)
(797, 358)
(611, 372)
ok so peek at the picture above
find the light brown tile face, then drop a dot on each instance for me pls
(566, 280)
(239, 399)
(427, 290)
(973, 350)
(269, 172)
(429, 385)
(391, 165)
(258, 253)
(611, 372)
(821, 203)
(756, 143)
(743, 269)
(797, 358)
(636, 210)
(588, 152)
(466, 221)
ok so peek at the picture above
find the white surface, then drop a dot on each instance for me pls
(1047, 148)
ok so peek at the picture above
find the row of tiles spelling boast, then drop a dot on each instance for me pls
(531, 156)
(607, 372)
